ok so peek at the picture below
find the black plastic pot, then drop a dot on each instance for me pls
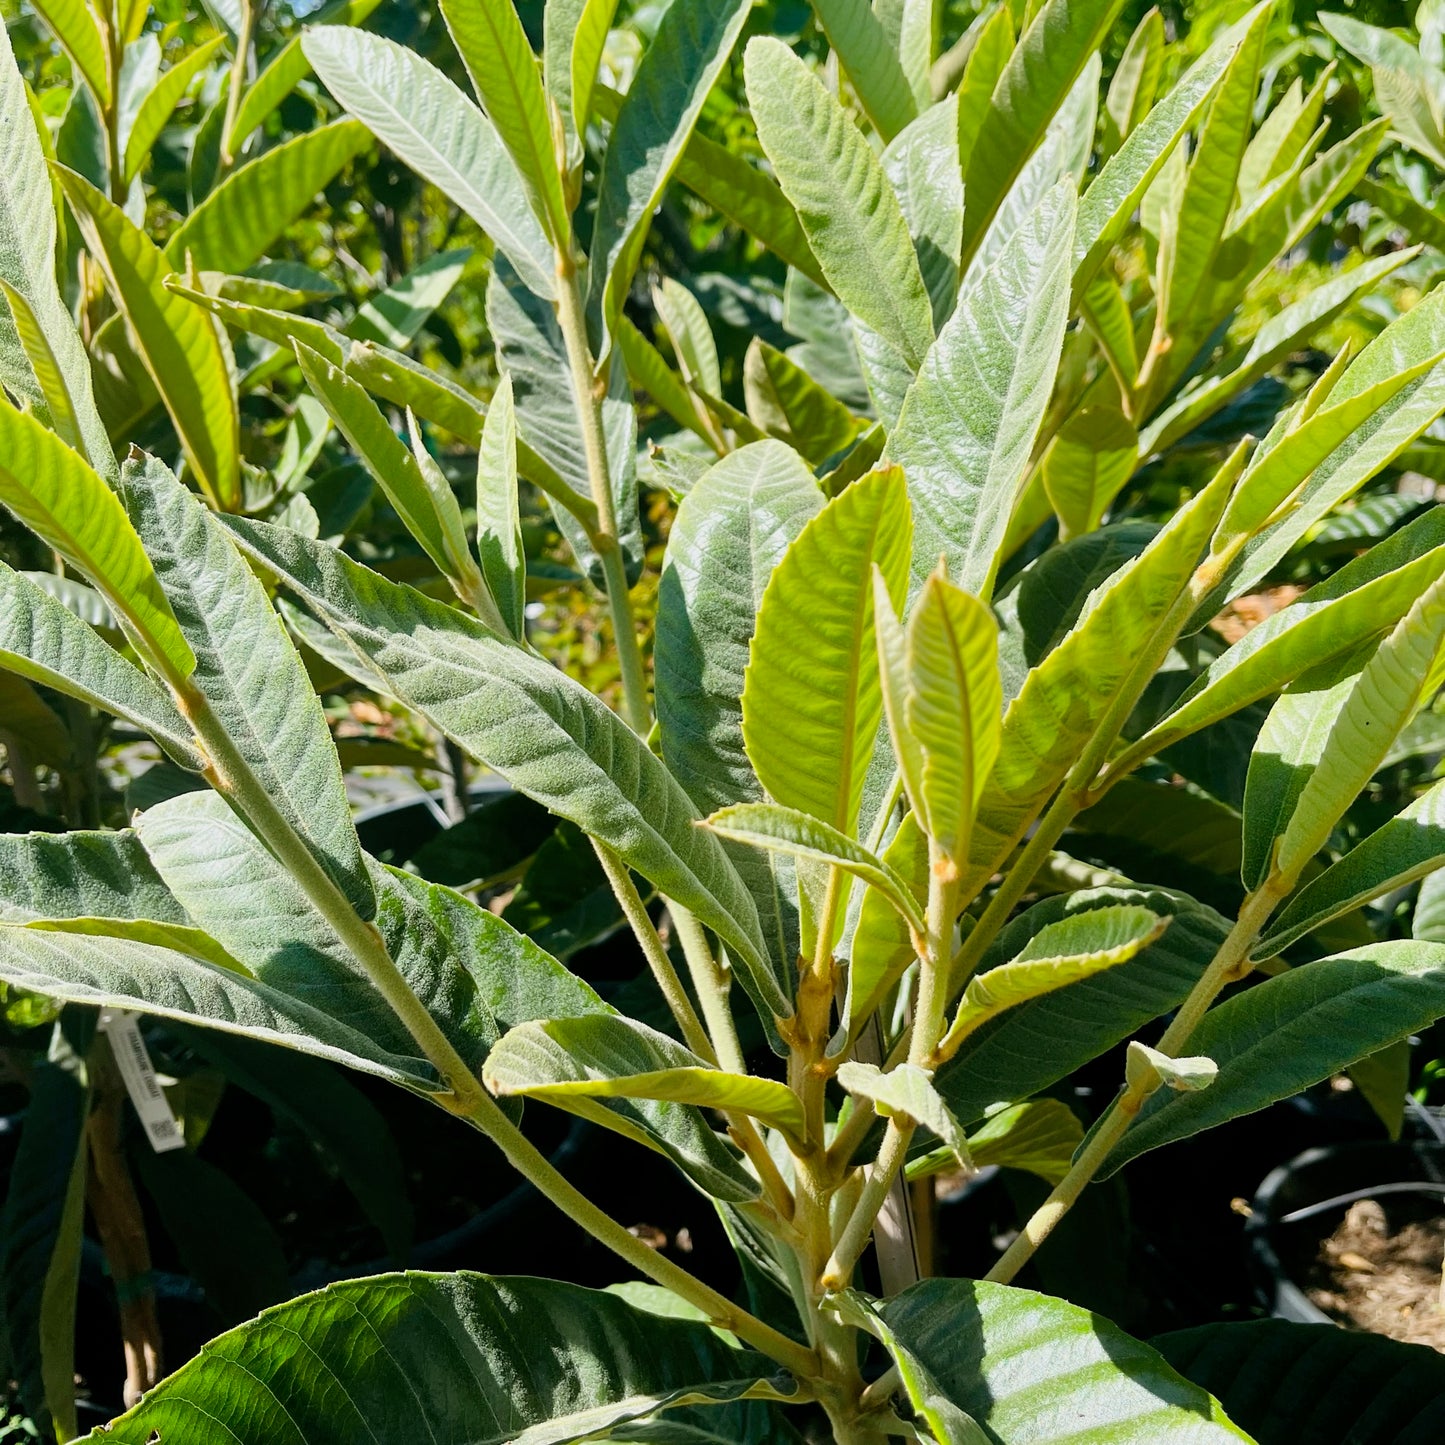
(1302, 1202)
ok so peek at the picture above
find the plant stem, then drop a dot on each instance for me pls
(1231, 962)
(859, 1229)
(529, 1161)
(588, 393)
(712, 983)
(238, 81)
(232, 777)
(668, 982)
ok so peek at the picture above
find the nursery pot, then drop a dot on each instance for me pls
(1301, 1203)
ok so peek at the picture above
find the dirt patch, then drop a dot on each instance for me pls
(1380, 1271)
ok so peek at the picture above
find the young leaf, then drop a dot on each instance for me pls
(811, 702)
(42, 639)
(607, 1056)
(548, 736)
(51, 490)
(1008, 1356)
(156, 109)
(678, 69)
(27, 269)
(906, 1092)
(1409, 846)
(1332, 619)
(1040, 73)
(1293, 1030)
(574, 34)
(499, 525)
(862, 46)
(1059, 954)
(412, 107)
(1067, 696)
(847, 207)
(498, 56)
(1040, 1136)
(952, 708)
(184, 350)
(786, 830)
(969, 421)
(75, 27)
(1135, 81)
(394, 316)
(923, 168)
(533, 1360)
(248, 670)
(1033, 1045)
(1094, 453)
(1148, 1069)
(1401, 674)
(981, 72)
(785, 402)
(425, 503)
(691, 336)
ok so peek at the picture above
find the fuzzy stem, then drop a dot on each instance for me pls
(229, 143)
(588, 393)
(670, 985)
(713, 983)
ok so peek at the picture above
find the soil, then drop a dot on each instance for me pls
(1380, 1271)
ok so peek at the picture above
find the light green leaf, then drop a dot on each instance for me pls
(424, 502)
(416, 111)
(394, 316)
(906, 1092)
(79, 34)
(42, 639)
(1059, 954)
(499, 525)
(1094, 453)
(1361, 600)
(871, 61)
(1267, 1370)
(246, 212)
(1069, 694)
(923, 168)
(648, 369)
(748, 198)
(574, 35)
(498, 56)
(843, 198)
(654, 121)
(287, 67)
(786, 830)
(687, 328)
(1032, 1046)
(969, 422)
(548, 736)
(607, 1056)
(952, 705)
(811, 702)
(248, 670)
(882, 946)
(1135, 81)
(1404, 850)
(1293, 1030)
(730, 532)
(46, 374)
(1324, 782)
(530, 349)
(1406, 85)
(1283, 133)
(1105, 310)
(1271, 343)
(184, 350)
(155, 110)
(51, 490)
(1014, 1360)
(1040, 73)
(1146, 1068)
(1040, 1136)
(981, 72)
(388, 373)
(523, 1361)
(785, 402)
(27, 268)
